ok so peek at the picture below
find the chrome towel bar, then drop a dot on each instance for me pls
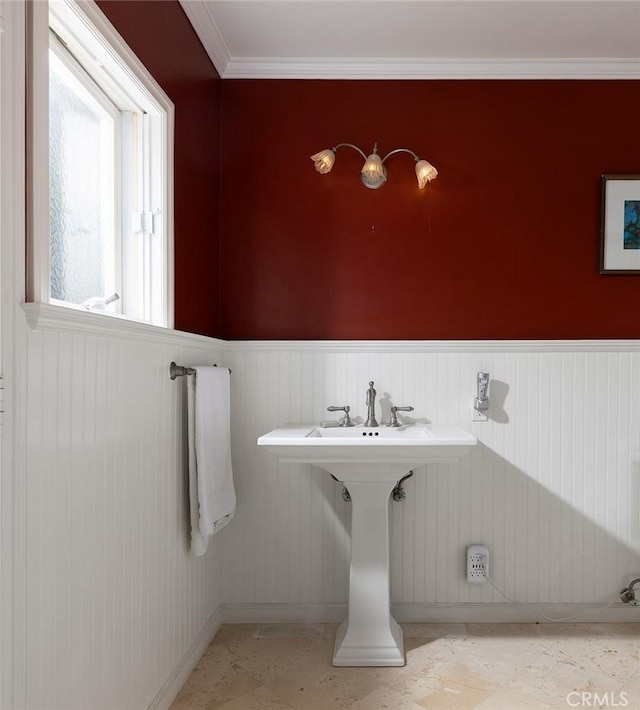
(181, 370)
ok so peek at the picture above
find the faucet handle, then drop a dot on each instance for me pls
(346, 420)
(394, 415)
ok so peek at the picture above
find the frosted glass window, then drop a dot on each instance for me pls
(81, 189)
(110, 169)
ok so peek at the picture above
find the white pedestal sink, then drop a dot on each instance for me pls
(370, 461)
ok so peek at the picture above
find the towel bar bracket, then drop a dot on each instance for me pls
(182, 371)
(179, 371)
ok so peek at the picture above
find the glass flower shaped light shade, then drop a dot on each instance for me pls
(324, 160)
(374, 173)
(425, 172)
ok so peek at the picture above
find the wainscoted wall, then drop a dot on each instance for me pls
(117, 609)
(551, 487)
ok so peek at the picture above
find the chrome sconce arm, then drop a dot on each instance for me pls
(373, 173)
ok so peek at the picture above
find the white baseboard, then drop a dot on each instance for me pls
(432, 613)
(283, 613)
(514, 613)
(167, 694)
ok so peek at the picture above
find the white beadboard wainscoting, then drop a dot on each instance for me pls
(112, 610)
(117, 609)
(551, 488)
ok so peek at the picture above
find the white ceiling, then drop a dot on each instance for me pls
(419, 39)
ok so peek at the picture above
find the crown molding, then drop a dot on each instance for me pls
(207, 30)
(348, 68)
(229, 67)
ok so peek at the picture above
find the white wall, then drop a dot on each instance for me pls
(115, 602)
(115, 608)
(551, 488)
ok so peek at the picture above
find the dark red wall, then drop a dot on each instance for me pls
(504, 244)
(160, 34)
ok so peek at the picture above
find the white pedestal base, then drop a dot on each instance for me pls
(370, 636)
(386, 650)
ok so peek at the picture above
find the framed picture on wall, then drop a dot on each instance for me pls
(620, 225)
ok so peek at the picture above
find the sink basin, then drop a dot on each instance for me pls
(370, 460)
(369, 453)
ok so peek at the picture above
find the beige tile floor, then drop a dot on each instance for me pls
(449, 667)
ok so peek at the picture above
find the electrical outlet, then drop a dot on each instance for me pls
(477, 564)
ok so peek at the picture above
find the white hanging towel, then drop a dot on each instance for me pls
(212, 497)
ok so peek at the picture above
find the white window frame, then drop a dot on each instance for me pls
(120, 63)
(98, 95)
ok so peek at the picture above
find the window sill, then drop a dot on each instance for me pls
(49, 317)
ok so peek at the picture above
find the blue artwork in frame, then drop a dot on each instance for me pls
(632, 224)
(620, 224)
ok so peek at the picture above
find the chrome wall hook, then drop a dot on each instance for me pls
(481, 403)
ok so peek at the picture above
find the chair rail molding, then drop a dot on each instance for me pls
(433, 346)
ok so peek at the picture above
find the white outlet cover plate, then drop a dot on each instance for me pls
(477, 558)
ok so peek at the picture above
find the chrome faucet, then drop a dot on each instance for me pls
(394, 415)
(371, 404)
(346, 420)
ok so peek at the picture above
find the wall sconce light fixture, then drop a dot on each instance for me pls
(374, 174)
